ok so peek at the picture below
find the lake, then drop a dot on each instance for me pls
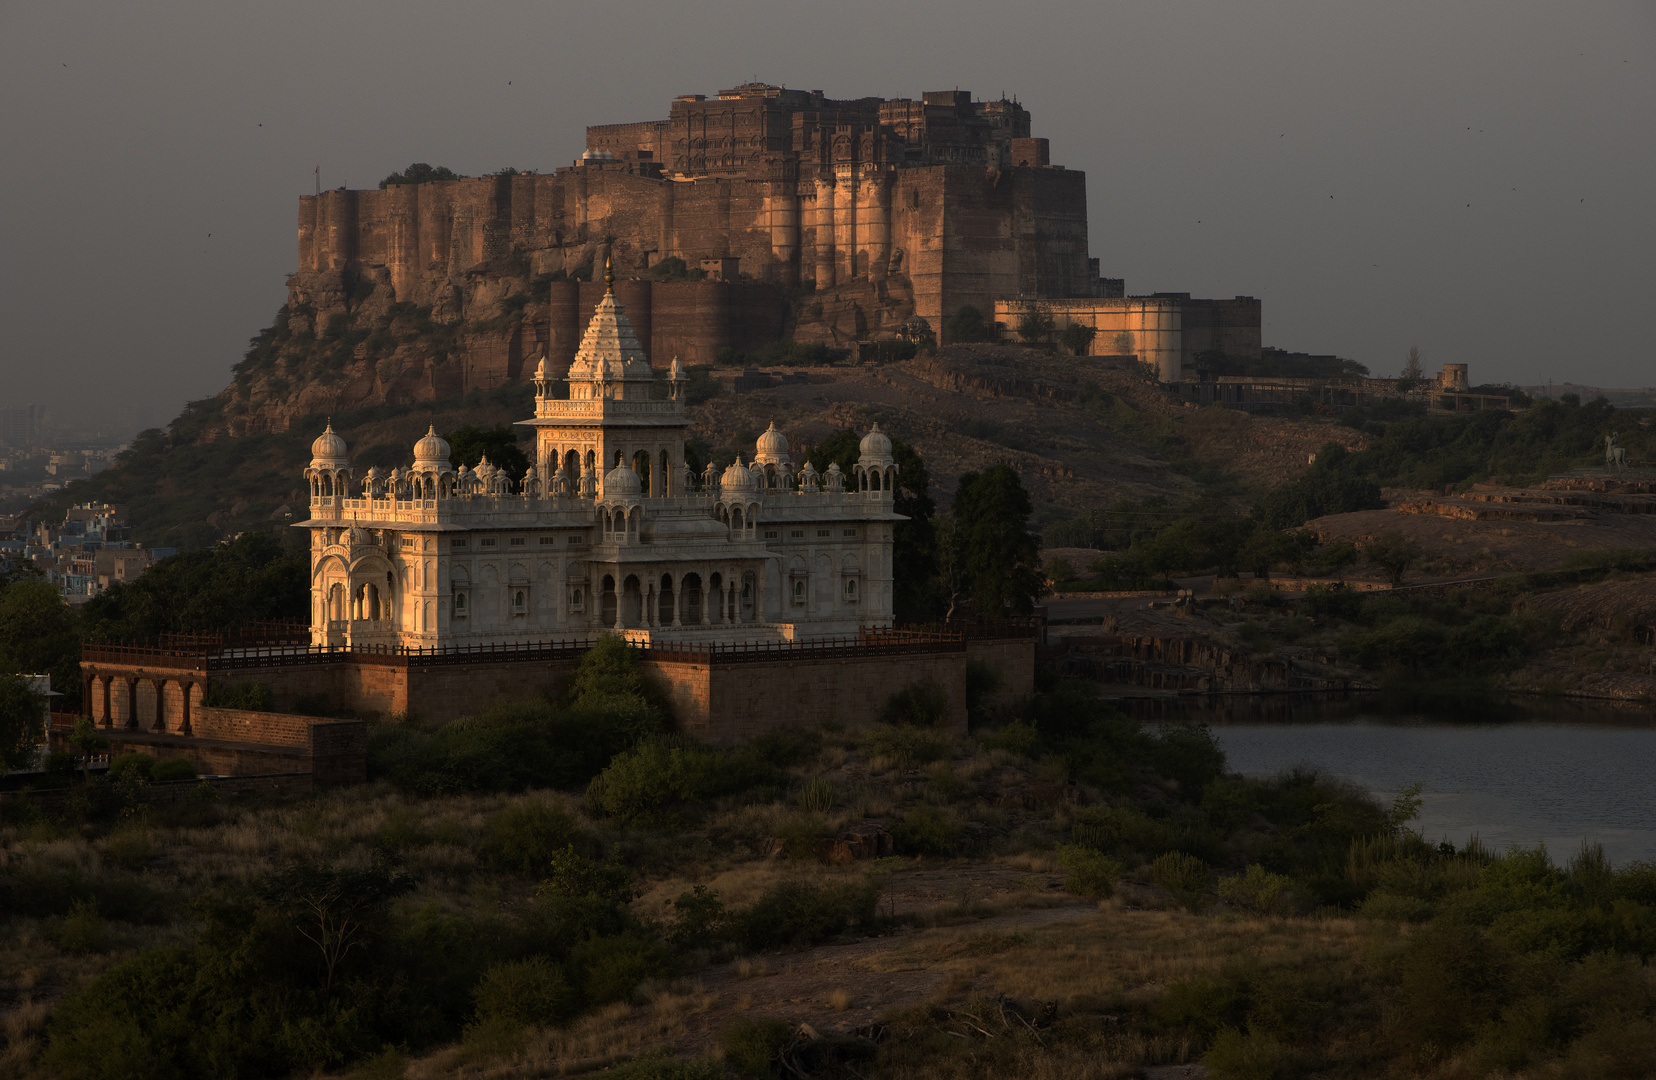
(1508, 771)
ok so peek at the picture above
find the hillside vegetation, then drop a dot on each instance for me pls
(1068, 895)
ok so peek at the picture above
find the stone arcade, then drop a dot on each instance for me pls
(608, 530)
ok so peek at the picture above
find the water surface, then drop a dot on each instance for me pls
(1509, 772)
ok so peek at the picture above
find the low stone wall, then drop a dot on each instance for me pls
(1012, 660)
(240, 742)
(729, 702)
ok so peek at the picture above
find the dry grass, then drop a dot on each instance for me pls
(25, 1028)
(840, 1000)
(1114, 954)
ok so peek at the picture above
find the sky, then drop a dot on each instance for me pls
(1475, 179)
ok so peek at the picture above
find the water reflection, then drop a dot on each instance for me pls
(1512, 771)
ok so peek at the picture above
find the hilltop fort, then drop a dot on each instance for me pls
(756, 215)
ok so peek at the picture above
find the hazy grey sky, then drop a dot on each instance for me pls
(1477, 179)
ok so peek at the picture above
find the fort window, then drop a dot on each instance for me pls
(459, 605)
(797, 534)
(458, 543)
(825, 532)
(850, 532)
(518, 541)
(771, 534)
(487, 541)
(577, 539)
(546, 541)
(577, 601)
(520, 601)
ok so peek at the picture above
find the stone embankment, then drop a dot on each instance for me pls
(1163, 663)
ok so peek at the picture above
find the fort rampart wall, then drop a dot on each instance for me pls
(960, 234)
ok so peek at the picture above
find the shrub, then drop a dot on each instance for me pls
(1185, 877)
(173, 769)
(921, 704)
(816, 796)
(610, 967)
(1087, 872)
(751, 1046)
(644, 784)
(523, 993)
(905, 746)
(571, 874)
(797, 912)
(1019, 737)
(801, 834)
(136, 764)
(1257, 890)
(526, 835)
(252, 696)
(655, 1066)
(926, 830)
(698, 918)
(81, 931)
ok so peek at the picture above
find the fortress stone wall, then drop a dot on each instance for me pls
(914, 207)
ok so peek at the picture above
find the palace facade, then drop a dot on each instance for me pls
(609, 529)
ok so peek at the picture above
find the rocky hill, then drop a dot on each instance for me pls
(1081, 432)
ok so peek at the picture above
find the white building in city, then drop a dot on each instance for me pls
(609, 529)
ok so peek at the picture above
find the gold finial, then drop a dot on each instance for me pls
(609, 273)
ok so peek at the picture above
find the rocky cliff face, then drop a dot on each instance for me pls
(344, 341)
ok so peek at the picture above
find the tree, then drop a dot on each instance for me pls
(418, 173)
(1335, 557)
(335, 910)
(994, 557)
(913, 542)
(22, 721)
(1077, 338)
(41, 635)
(1393, 553)
(89, 742)
(255, 577)
(1036, 325)
(470, 444)
(967, 325)
(1413, 372)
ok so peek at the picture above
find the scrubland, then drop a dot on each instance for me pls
(1059, 893)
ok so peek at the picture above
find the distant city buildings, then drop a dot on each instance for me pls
(82, 555)
(19, 426)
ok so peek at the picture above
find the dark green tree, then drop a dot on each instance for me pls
(996, 557)
(41, 635)
(469, 445)
(914, 542)
(967, 325)
(254, 577)
(418, 173)
(1035, 325)
(1077, 338)
(1394, 553)
(336, 910)
(22, 721)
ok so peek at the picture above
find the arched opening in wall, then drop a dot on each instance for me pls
(591, 460)
(572, 465)
(607, 602)
(633, 518)
(716, 598)
(748, 596)
(632, 601)
(327, 485)
(641, 466)
(666, 474)
(664, 601)
(690, 604)
(799, 594)
(736, 519)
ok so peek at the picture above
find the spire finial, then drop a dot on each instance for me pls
(609, 272)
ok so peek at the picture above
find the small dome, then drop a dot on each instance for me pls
(773, 446)
(328, 451)
(876, 446)
(738, 477)
(622, 482)
(432, 449)
(358, 536)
